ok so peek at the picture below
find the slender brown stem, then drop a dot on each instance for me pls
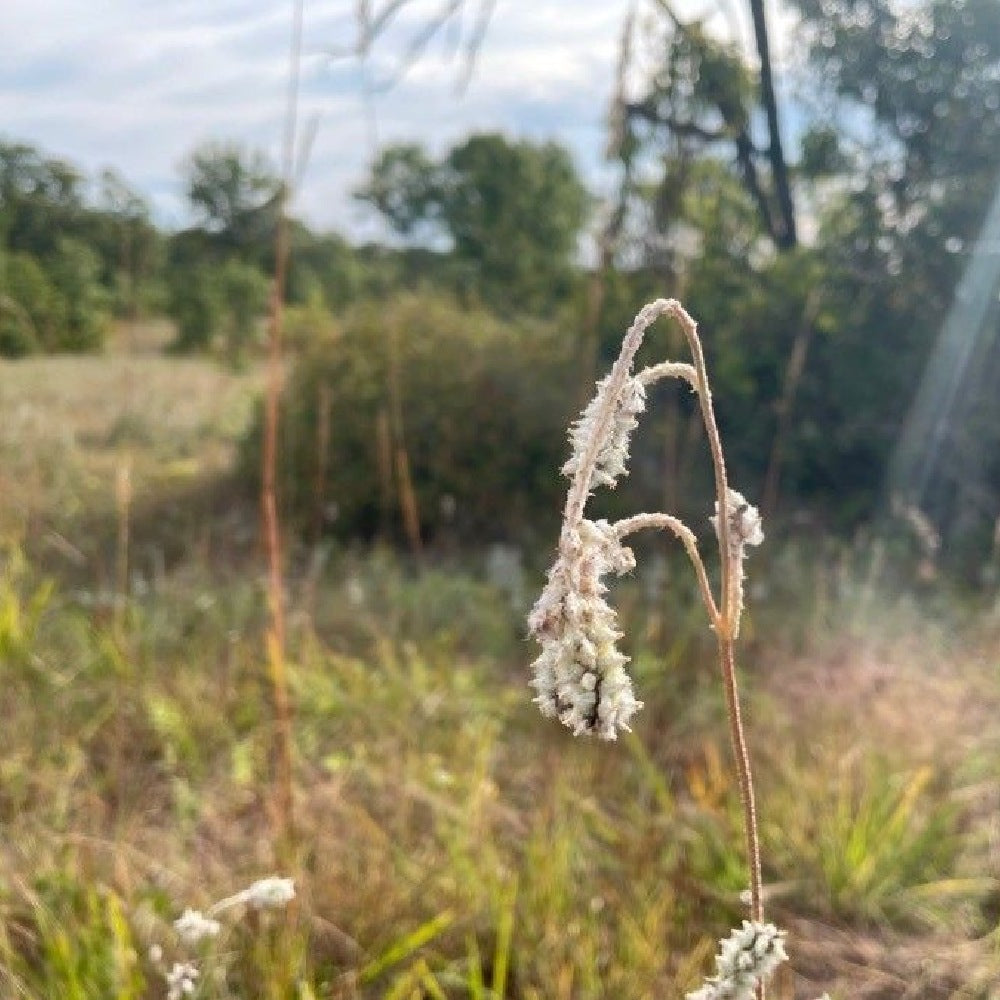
(727, 661)
(686, 535)
(690, 328)
(269, 503)
(726, 624)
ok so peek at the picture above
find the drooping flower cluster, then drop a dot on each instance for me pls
(748, 956)
(580, 675)
(612, 455)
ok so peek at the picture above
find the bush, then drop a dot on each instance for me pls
(30, 308)
(478, 406)
(51, 305)
(194, 304)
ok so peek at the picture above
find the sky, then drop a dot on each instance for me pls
(137, 84)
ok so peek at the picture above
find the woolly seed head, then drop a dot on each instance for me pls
(743, 522)
(611, 454)
(747, 957)
(580, 675)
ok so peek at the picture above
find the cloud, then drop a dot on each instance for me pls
(136, 84)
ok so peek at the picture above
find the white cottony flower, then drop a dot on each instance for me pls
(743, 522)
(181, 980)
(580, 675)
(747, 957)
(270, 892)
(193, 925)
(612, 453)
(744, 528)
(265, 893)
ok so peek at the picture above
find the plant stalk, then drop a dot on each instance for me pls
(727, 660)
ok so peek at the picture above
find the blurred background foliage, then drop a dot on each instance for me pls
(821, 262)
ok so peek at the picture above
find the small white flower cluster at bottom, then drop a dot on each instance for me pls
(181, 980)
(193, 927)
(748, 956)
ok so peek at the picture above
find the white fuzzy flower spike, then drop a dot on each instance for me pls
(747, 957)
(612, 454)
(269, 893)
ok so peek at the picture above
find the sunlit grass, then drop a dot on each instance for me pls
(451, 843)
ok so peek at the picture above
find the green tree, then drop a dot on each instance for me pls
(243, 291)
(32, 311)
(236, 193)
(404, 187)
(121, 230)
(511, 211)
(75, 271)
(40, 199)
(194, 303)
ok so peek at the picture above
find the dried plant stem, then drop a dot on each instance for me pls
(669, 369)
(269, 503)
(726, 618)
(578, 664)
(322, 459)
(666, 522)
(727, 661)
(123, 505)
(690, 328)
(741, 753)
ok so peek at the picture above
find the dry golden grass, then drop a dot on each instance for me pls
(451, 841)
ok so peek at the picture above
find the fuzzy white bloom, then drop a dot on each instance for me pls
(748, 956)
(268, 893)
(580, 675)
(181, 980)
(193, 925)
(265, 893)
(743, 522)
(612, 454)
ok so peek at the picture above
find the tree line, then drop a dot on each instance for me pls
(820, 259)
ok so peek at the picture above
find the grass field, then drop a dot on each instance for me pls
(449, 841)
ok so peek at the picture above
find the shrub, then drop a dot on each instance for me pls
(32, 311)
(470, 409)
(194, 304)
(75, 270)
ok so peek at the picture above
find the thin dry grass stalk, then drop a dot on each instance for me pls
(269, 503)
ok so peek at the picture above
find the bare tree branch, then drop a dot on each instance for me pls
(787, 236)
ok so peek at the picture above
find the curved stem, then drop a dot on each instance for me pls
(668, 369)
(690, 328)
(686, 535)
(727, 661)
